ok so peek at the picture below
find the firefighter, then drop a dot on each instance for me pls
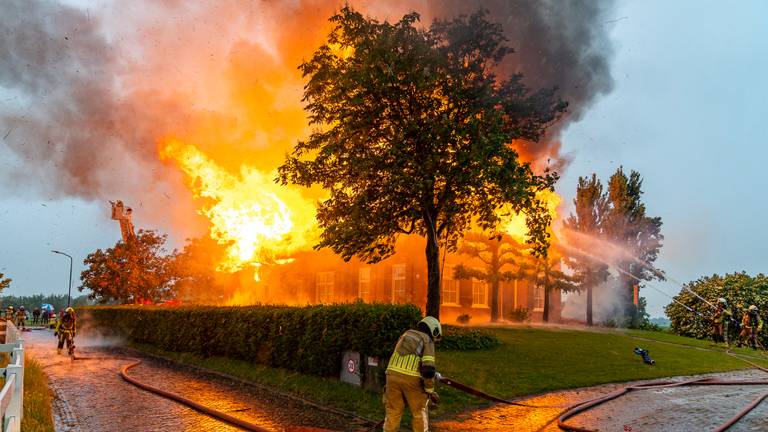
(66, 329)
(21, 318)
(36, 316)
(9, 313)
(411, 376)
(751, 325)
(720, 320)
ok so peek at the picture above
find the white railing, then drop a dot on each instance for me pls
(12, 394)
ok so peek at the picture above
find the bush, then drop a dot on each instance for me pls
(739, 289)
(463, 318)
(467, 339)
(519, 315)
(307, 339)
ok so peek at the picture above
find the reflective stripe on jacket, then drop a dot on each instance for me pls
(414, 351)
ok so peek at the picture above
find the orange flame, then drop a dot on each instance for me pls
(257, 220)
(515, 225)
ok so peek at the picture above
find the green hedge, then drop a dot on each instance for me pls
(306, 339)
(467, 339)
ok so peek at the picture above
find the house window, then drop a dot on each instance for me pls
(538, 297)
(479, 293)
(324, 283)
(398, 284)
(364, 284)
(450, 287)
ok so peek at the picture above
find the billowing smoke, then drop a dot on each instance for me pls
(562, 44)
(87, 94)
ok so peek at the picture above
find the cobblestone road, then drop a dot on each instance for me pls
(90, 396)
(677, 409)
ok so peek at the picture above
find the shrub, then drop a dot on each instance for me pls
(307, 339)
(467, 339)
(463, 318)
(739, 289)
(519, 315)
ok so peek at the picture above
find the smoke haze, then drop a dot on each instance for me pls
(87, 94)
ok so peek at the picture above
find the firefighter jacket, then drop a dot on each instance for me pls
(750, 321)
(415, 356)
(67, 324)
(720, 315)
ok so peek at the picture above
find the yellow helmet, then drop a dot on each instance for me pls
(435, 329)
(70, 310)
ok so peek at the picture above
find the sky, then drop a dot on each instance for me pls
(686, 111)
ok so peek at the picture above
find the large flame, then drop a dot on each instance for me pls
(515, 225)
(257, 220)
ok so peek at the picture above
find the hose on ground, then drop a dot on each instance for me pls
(586, 405)
(188, 402)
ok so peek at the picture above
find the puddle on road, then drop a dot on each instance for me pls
(681, 409)
(93, 396)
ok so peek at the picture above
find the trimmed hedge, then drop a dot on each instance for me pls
(467, 339)
(306, 339)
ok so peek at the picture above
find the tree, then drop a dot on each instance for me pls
(503, 260)
(4, 282)
(413, 135)
(546, 271)
(629, 227)
(196, 278)
(591, 210)
(130, 273)
(689, 314)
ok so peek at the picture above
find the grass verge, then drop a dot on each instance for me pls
(37, 399)
(530, 360)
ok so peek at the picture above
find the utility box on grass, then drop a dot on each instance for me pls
(350, 368)
(365, 371)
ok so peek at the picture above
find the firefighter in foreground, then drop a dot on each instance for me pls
(65, 330)
(411, 376)
(720, 320)
(751, 325)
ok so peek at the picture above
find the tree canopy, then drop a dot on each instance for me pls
(130, 273)
(503, 259)
(628, 226)
(413, 134)
(591, 210)
(5, 282)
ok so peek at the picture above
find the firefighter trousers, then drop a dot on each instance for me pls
(402, 389)
(68, 338)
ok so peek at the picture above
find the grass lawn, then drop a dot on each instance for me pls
(530, 360)
(37, 400)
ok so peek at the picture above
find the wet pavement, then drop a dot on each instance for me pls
(90, 395)
(676, 409)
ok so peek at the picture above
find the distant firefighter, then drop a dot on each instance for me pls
(66, 330)
(36, 316)
(10, 314)
(751, 325)
(21, 318)
(720, 320)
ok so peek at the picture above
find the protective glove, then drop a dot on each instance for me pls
(438, 376)
(434, 398)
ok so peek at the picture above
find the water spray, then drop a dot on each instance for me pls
(626, 273)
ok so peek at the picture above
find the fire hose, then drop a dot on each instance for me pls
(188, 402)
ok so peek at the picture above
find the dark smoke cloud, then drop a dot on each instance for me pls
(81, 120)
(557, 43)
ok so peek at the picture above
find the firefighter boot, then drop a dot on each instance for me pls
(58, 351)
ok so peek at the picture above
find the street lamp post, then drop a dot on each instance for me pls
(69, 288)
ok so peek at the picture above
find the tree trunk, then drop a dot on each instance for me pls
(495, 300)
(433, 272)
(589, 305)
(545, 318)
